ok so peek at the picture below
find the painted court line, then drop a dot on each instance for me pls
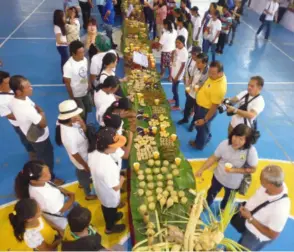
(274, 45)
(16, 29)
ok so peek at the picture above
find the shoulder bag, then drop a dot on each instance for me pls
(238, 221)
(34, 132)
(246, 181)
(263, 15)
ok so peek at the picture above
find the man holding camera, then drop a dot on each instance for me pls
(250, 104)
(209, 97)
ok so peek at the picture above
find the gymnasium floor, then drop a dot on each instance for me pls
(27, 47)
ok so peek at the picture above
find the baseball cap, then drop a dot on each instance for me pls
(196, 49)
(102, 43)
(108, 138)
(112, 120)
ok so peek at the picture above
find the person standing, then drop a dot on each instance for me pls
(190, 72)
(270, 12)
(238, 150)
(86, 6)
(196, 22)
(6, 96)
(283, 6)
(179, 60)
(209, 97)
(108, 18)
(32, 122)
(265, 225)
(250, 104)
(161, 14)
(71, 133)
(181, 30)
(212, 33)
(226, 20)
(236, 15)
(106, 177)
(76, 78)
(100, 5)
(60, 34)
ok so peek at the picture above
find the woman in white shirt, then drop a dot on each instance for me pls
(71, 133)
(238, 151)
(72, 25)
(108, 67)
(28, 226)
(60, 34)
(106, 177)
(181, 30)
(33, 181)
(196, 22)
(167, 45)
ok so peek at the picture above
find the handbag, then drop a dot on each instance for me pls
(263, 15)
(247, 179)
(34, 132)
(238, 221)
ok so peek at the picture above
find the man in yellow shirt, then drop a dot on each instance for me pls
(209, 97)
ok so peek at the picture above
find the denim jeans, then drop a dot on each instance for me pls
(44, 151)
(175, 87)
(214, 190)
(63, 51)
(268, 25)
(84, 179)
(203, 132)
(206, 45)
(233, 31)
(29, 148)
(250, 241)
(189, 106)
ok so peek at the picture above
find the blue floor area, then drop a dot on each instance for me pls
(32, 53)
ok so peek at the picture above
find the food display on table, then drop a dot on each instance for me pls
(165, 207)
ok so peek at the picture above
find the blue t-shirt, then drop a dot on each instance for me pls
(109, 7)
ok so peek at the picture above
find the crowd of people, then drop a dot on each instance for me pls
(98, 155)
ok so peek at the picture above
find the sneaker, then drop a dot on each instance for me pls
(58, 181)
(191, 128)
(183, 121)
(119, 216)
(116, 229)
(170, 101)
(231, 43)
(175, 108)
(91, 197)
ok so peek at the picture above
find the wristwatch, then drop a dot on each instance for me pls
(250, 219)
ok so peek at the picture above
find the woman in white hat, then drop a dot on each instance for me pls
(71, 133)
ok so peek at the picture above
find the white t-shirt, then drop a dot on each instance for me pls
(26, 114)
(272, 7)
(180, 57)
(77, 72)
(104, 75)
(102, 102)
(273, 216)
(190, 72)
(183, 32)
(106, 175)
(57, 30)
(168, 41)
(227, 154)
(214, 28)
(196, 21)
(257, 105)
(5, 100)
(74, 141)
(96, 62)
(117, 156)
(33, 237)
(49, 198)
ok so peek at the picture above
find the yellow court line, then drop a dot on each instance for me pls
(8, 242)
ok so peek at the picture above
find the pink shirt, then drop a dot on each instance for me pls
(161, 14)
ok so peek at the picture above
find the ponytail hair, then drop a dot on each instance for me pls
(107, 60)
(32, 170)
(58, 131)
(110, 82)
(24, 210)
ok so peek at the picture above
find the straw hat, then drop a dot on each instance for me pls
(68, 109)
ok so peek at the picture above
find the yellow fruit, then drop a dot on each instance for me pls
(150, 199)
(151, 206)
(159, 184)
(140, 192)
(170, 182)
(181, 194)
(143, 209)
(150, 185)
(148, 193)
(149, 178)
(148, 171)
(159, 177)
(141, 177)
(164, 169)
(165, 193)
(156, 170)
(142, 184)
(169, 202)
(170, 188)
(159, 190)
(184, 200)
(176, 172)
(169, 176)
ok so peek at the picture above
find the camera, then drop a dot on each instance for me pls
(223, 107)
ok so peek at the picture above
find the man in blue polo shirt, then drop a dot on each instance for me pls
(108, 18)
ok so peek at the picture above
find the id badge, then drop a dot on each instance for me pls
(84, 81)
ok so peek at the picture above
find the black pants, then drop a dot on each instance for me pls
(175, 87)
(85, 103)
(109, 215)
(221, 42)
(86, 13)
(92, 51)
(189, 107)
(44, 151)
(215, 189)
(29, 148)
(282, 11)
(233, 31)
(100, 9)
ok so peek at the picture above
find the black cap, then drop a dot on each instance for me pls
(124, 103)
(107, 137)
(195, 8)
(112, 120)
(196, 49)
(181, 38)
